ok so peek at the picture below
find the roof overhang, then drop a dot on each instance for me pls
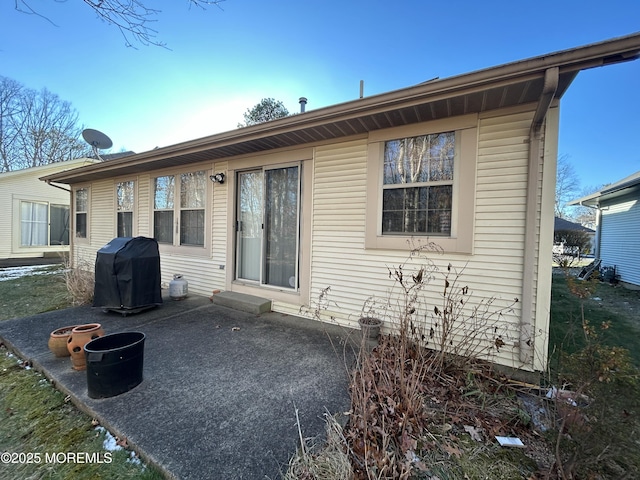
(630, 184)
(508, 85)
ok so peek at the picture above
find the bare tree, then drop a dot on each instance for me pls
(567, 185)
(133, 18)
(10, 107)
(36, 128)
(585, 216)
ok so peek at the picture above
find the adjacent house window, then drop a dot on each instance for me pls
(82, 212)
(58, 224)
(124, 207)
(187, 214)
(43, 224)
(34, 224)
(418, 185)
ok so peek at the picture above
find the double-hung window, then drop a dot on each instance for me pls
(421, 182)
(124, 206)
(179, 209)
(193, 195)
(81, 212)
(418, 185)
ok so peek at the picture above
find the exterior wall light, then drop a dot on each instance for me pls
(217, 178)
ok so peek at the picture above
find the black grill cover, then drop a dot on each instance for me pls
(127, 274)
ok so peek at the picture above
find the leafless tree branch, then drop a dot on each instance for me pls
(132, 18)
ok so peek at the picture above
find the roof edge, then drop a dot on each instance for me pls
(610, 51)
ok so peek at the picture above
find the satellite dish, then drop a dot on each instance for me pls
(97, 139)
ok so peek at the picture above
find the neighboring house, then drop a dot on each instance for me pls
(618, 226)
(36, 215)
(332, 197)
(563, 246)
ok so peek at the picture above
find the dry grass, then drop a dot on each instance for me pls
(322, 462)
(80, 282)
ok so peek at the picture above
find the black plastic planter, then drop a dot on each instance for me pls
(114, 363)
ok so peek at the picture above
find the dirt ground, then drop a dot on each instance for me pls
(618, 299)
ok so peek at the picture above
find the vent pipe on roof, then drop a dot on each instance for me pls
(303, 104)
(361, 88)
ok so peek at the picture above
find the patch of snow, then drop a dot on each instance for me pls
(133, 458)
(109, 443)
(11, 273)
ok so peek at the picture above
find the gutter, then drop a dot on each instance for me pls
(49, 182)
(531, 250)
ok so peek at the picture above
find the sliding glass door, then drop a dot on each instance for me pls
(267, 226)
(249, 224)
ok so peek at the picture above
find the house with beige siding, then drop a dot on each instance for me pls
(36, 215)
(337, 196)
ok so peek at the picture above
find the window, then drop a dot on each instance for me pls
(418, 185)
(124, 207)
(421, 180)
(193, 193)
(59, 225)
(163, 209)
(34, 223)
(82, 208)
(43, 224)
(188, 214)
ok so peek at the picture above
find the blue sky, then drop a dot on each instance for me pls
(222, 61)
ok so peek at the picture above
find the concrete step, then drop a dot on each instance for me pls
(242, 302)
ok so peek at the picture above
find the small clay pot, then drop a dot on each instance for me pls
(80, 336)
(58, 341)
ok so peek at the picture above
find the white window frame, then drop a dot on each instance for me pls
(120, 210)
(175, 245)
(32, 222)
(87, 213)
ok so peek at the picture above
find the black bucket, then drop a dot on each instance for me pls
(114, 363)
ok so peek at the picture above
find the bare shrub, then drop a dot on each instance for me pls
(80, 281)
(391, 385)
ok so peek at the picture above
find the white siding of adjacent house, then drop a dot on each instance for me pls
(24, 185)
(620, 237)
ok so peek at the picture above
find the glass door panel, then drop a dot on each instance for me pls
(249, 225)
(281, 227)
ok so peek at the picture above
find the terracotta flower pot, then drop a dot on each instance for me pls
(58, 341)
(370, 327)
(80, 336)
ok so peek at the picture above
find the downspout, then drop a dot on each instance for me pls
(551, 77)
(71, 237)
(596, 242)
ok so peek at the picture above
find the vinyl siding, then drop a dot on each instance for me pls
(202, 272)
(359, 277)
(219, 227)
(24, 185)
(356, 275)
(620, 231)
(143, 206)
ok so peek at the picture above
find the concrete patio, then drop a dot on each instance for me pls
(220, 386)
